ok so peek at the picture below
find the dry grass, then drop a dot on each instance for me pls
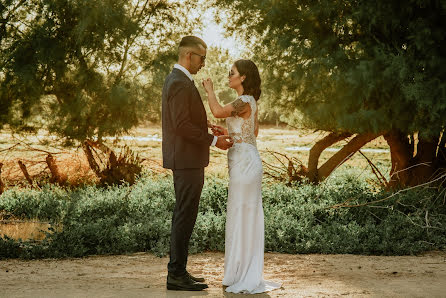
(270, 138)
(32, 152)
(73, 163)
(25, 230)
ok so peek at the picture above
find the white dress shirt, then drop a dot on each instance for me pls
(187, 73)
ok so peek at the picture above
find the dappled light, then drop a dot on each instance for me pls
(288, 148)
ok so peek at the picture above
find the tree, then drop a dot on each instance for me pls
(83, 69)
(356, 68)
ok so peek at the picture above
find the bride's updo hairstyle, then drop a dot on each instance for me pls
(251, 84)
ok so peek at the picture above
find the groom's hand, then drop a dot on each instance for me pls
(218, 130)
(224, 142)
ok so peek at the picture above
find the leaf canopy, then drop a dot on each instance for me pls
(357, 66)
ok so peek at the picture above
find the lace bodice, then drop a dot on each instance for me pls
(242, 130)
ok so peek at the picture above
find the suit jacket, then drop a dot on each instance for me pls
(186, 139)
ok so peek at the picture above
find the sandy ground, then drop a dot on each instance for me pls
(144, 275)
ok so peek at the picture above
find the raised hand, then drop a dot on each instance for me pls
(208, 85)
(224, 142)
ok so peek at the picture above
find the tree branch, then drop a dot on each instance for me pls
(317, 149)
(345, 153)
(376, 171)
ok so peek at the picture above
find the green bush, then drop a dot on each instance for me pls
(298, 219)
(50, 203)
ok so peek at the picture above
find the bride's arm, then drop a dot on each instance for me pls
(237, 107)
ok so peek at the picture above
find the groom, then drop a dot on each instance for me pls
(185, 146)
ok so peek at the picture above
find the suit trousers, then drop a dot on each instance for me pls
(188, 184)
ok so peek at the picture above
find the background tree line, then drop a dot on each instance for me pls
(356, 69)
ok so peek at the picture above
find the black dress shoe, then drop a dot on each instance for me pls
(196, 279)
(183, 283)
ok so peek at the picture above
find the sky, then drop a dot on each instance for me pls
(214, 34)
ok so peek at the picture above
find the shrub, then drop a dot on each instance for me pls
(298, 219)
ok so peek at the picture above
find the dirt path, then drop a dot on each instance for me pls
(144, 275)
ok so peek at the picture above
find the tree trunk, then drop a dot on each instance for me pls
(441, 154)
(409, 169)
(401, 154)
(424, 162)
(345, 153)
(316, 150)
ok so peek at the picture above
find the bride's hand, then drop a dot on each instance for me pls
(208, 85)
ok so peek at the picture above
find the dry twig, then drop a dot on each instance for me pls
(286, 172)
(376, 171)
(344, 204)
(25, 172)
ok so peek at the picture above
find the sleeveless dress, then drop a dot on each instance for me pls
(244, 233)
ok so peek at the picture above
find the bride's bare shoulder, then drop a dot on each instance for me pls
(241, 106)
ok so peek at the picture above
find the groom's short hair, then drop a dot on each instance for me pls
(192, 42)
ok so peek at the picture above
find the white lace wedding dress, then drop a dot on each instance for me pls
(244, 246)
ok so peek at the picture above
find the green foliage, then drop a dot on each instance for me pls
(48, 204)
(83, 69)
(298, 219)
(357, 66)
(394, 226)
(9, 248)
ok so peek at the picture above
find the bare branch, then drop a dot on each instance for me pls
(344, 204)
(376, 171)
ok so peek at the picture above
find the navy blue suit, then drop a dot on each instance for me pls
(185, 149)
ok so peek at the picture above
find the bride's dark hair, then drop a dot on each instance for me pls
(251, 84)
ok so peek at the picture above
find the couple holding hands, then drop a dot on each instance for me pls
(185, 147)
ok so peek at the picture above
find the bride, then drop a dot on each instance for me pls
(244, 235)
